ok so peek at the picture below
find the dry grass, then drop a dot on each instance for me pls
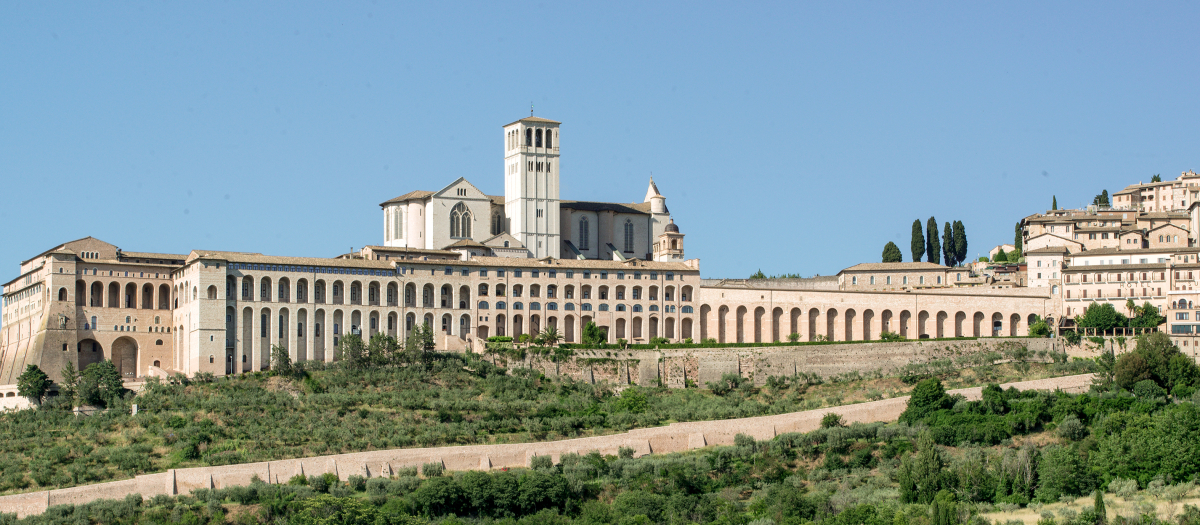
(1135, 505)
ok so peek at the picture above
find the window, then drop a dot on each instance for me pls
(583, 234)
(460, 222)
(628, 236)
(889, 280)
(872, 279)
(854, 280)
(1181, 316)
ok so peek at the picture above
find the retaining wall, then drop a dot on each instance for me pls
(675, 437)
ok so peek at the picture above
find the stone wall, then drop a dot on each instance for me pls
(676, 437)
(675, 366)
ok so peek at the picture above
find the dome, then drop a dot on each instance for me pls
(671, 227)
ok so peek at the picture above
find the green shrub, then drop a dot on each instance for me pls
(432, 470)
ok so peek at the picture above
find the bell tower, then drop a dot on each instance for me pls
(531, 169)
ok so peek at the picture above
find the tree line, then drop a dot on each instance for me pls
(951, 248)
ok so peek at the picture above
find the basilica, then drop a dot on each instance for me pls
(531, 219)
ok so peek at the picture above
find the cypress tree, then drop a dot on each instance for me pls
(918, 241)
(1053, 202)
(933, 248)
(960, 241)
(1101, 512)
(1018, 241)
(948, 252)
(891, 253)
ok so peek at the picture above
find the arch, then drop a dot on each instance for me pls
(427, 296)
(759, 313)
(410, 295)
(147, 301)
(669, 328)
(464, 297)
(636, 331)
(535, 324)
(96, 297)
(794, 321)
(813, 314)
(620, 328)
(164, 297)
(89, 351)
(356, 293)
(1014, 323)
(740, 319)
(393, 294)
(483, 290)
(1029, 321)
(776, 320)
(537, 138)
(867, 329)
(114, 295)
(977, 329)
(905, 320)
(997, 328)
(831, 316)
(129, 300)
(264, 289)
(410, 322)
(922, 319)
(941, 324)
(447, 298)
(447, 324)
(62, 294)
(705, 312)
(302, 290)
(80, 293)
(319, 291)
(685, 328)
(628, 236)
(885, 322)
(464, 325)
(848, 321)
(373, 295)
(212, 291)
(460, 222)
(722, 314)
(518, 326)
(959, 319)
(284, 293)
(569, 329)
(529, 136)
(125, 357)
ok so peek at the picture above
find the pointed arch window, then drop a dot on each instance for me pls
(537, 135)
(460, 222)
(628, 236)
(496, 223)
(583, 233)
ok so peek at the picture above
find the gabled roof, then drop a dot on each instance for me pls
(532, 118)
(1049, 250)
(497, 241)
(467, 243)
(1168, 225)
(639, 208)
(895, 267)
(412, 195)
(63, 245)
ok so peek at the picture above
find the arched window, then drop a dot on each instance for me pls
(483, 305)
(496, 223)
(549, 140)
(460, 221)
(686, 309)
(528, 137)
(537, 135)
(62, 294)
(628, 236)
(583, 233)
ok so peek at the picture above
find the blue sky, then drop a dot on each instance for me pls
(792, 137)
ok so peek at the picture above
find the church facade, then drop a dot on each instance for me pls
(470, 266)
(531, 219)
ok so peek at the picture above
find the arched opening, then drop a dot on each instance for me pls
(147, 302)
(62, 294)
(212, 292)
(759, 313)
(705, 313)
(529, 136)
(1014, 323)
(518, 326)
(905, 320)
(813, 314)
(740, 326)
(941, 324)
(722, 314)
(831, 316)
(89, 351)
(669, 328)
(776, 320)
(977, 328)
(997, 324)
(164, 297)
(96, 298)
(464, 297)
(922, 329)
(124, 356)
(636, 332)
(114, 295)
(569, 329)
(851, 315)
(80, 293)
(867, 330)
(620, 328)
(537, 137)
(685, 328)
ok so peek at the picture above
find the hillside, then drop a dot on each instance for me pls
(437, 399)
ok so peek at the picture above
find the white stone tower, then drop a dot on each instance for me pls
(531, 169)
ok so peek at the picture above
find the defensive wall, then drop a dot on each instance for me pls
(676, 437)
